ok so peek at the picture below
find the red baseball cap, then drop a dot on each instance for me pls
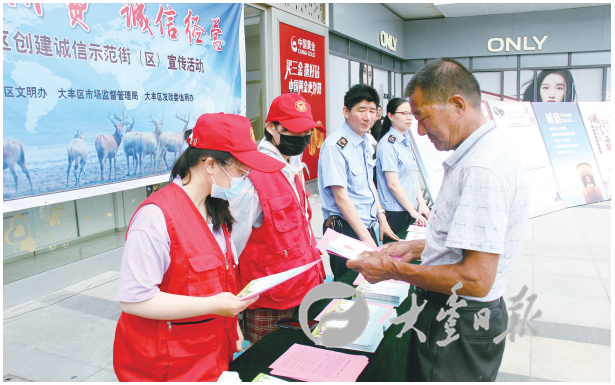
(233, 134)
(293, 112)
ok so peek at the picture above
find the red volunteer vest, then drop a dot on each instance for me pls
(191, 349)
(284, 241)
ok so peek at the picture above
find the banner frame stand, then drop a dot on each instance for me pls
(84, 192)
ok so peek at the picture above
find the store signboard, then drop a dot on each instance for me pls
(571, 154)
(517, 122)
(302, 70)
(89, 83)
(597, 119)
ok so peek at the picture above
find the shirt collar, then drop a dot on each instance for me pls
(178, 181)
(353, 137)
(400, 138)
(468, 144)
(268, 148)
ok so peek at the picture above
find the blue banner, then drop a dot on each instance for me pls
(89, 85)
(570, 151)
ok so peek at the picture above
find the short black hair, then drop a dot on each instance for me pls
(360, 92)
(442, 78)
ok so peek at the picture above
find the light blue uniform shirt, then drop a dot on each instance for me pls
(346, 160)
(394, 153)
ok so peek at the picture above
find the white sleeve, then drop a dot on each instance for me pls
(247, 211)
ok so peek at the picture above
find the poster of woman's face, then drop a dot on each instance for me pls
(365, 74)
(553, 88)
(555, 85)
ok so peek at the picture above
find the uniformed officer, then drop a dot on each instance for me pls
(396, 170)
(349, 198)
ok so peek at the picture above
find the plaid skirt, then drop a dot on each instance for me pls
(258, 323)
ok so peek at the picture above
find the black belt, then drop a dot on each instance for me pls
(442, 299)
(336, 220)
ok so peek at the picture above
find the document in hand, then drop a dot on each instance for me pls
(416, 232)
(342, 245)
(360, 278)
(261, 285)
(308, 363)
(418, 229)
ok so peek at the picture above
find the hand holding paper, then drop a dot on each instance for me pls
(360, 278)
(342, 245)
(229, 305)
(407, 251)
(375, 266)
(261, 285)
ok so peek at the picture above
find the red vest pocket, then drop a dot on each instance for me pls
(283, 260)
(193, 351)
(194, 339)
(284, 214)
(203, 278)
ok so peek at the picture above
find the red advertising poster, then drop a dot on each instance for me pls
(302, 70)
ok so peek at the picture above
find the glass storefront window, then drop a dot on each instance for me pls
(256, 83)
(608, 85)
(510, 85)
(42, 238)
(526, 79)
(405, 80)
(338, 86)
(490, 86)
(588, 84)
(354, 72)
(381, 84)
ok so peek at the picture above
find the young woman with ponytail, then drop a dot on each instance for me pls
(177, 280)
(396, 169)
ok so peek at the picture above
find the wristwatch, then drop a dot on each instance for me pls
(381, 211)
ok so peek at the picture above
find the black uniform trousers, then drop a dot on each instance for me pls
(399, 220)
(472, 357)
(338, 264)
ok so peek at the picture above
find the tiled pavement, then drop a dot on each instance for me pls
(566, 262)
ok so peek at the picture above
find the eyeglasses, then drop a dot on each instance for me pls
(245, 172)
(405, 113)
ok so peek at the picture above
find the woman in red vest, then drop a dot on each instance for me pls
(177, 280)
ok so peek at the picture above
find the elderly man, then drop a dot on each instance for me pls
(474, 235)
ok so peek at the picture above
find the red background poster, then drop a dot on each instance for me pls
(302, 70)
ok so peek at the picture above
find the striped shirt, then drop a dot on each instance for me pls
(483, 205)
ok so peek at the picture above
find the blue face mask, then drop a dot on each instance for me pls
(231, 192)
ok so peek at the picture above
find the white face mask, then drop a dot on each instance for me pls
(231, 192)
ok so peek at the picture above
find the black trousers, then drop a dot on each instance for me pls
(399, 220)
(472, 357)
(338, 264)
